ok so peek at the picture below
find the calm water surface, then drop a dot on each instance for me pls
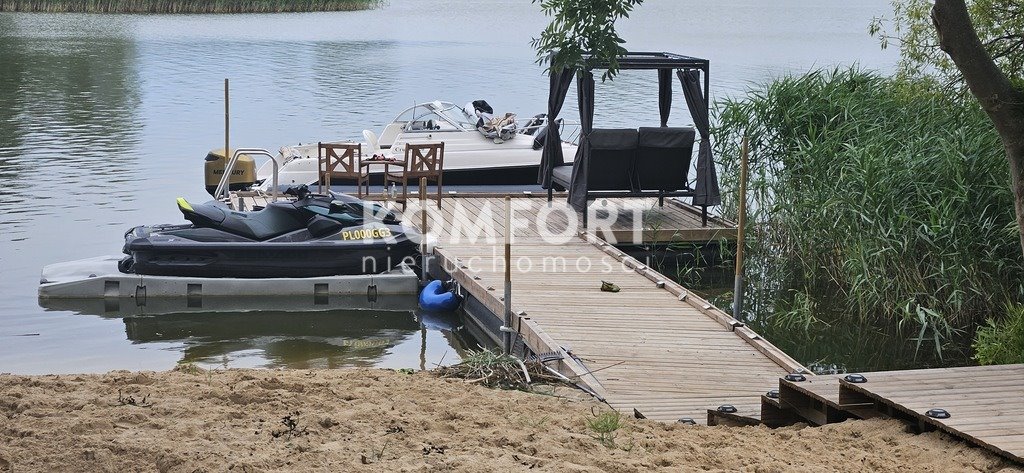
(104, 120)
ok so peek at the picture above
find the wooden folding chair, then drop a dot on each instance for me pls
(421, 161)
(341, 161)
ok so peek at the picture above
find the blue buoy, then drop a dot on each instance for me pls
(437, 298)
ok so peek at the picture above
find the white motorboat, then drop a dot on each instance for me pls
(473, 155)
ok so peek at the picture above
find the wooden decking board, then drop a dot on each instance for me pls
(740, 418)
(624, 395)
(642, 347)
(824, 388)
(991, 414)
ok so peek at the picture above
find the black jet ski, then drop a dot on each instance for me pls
(314, 235)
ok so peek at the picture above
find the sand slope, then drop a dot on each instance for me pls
(377, 420)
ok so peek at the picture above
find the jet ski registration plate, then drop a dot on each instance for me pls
(366, 233)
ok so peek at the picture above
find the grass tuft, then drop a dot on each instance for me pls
(604, 427)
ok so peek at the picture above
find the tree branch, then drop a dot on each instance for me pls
(958, 38)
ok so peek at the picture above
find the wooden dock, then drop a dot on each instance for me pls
(657, 351)
(653, 349)
(984, 404)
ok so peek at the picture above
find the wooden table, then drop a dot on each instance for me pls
(368, 163)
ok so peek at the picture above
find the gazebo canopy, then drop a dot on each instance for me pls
(651, 60)
(688, 68)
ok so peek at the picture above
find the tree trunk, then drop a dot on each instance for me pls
(1003, 103)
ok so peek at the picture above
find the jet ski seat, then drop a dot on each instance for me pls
(274, 220)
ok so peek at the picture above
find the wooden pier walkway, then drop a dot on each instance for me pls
(656, 350)
(652, 347)
(984, 404)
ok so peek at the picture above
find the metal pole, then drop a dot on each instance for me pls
(227, 154)
(506, 332)
(737, 301)
(423, 225)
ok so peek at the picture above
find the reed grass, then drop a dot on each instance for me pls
(884, 198)
(1000, 343)
(185, 6)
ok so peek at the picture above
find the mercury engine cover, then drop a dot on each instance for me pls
(243, 175)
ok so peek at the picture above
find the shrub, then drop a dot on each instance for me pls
(1001, 343)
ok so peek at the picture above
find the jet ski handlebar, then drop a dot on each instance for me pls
(225, 179)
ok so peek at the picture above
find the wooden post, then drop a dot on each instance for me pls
(506, 329)
(423, 225)
(423, 346)
(737, 300)
(227, 122)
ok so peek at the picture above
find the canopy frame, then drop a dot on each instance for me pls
(705, 192)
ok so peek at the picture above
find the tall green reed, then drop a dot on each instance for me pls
(886, 198)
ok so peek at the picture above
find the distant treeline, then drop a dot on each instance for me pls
(185, 6)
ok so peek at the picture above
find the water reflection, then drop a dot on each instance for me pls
(270, 333)
(68, 118)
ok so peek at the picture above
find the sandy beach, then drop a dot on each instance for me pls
(381, 420)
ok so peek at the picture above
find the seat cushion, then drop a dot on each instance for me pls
(663, 158)
(612, 156)
(562, 175)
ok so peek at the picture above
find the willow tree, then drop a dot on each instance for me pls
(975, 46)
(999, 25)
(1001, 99)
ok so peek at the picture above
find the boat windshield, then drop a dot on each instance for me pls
(436, 115)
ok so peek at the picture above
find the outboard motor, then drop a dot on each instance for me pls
(243, 175)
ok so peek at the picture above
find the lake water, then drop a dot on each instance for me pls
(105, 119)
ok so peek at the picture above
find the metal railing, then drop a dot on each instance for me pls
(224, 185)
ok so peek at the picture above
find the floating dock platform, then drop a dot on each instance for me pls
(99, 279)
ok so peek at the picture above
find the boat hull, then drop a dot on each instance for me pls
(162, 251)
(508, 166)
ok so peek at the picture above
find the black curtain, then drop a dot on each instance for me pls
(706, 189)
(578, 192)
(664, 94)
(552, 154)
